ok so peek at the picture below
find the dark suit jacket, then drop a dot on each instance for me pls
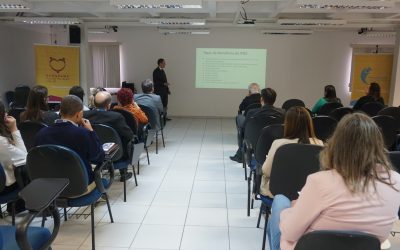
(85, 143)
(266, 110)
(159, 79)
(114, 120)
(253, 98)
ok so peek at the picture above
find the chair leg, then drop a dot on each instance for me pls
(138, 167)
(109, 207)
(147, 153)
(134, 173)
(244, 166)
(157, 142)
(125, 186)
(248, 195)
(65, 214)
(13, 213)
(252, 203)
(43, 220)
(259, 215)
(92, 225)
(265, 231)
(162, 136)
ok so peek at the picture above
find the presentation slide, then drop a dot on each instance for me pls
(230, 68)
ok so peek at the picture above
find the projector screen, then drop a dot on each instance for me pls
(230, 68)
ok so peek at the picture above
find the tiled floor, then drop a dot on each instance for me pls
(190, 197)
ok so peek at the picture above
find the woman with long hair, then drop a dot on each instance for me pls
(12, 149)
(357, 190)
(329, 96)
(298, 128)
(373, 95)
(37, 109)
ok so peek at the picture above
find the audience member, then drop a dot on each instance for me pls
(298, 128)
(21, 94)
(37, 109)
(76, 133)
(79, 92)
(130, 86)
(126, 101)
(373, 95)
(148, 98)
(101, 115)
(268, 97)
(329, 96)
(356, 191)
(252, 97)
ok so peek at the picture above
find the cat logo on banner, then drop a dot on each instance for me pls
(57, 68)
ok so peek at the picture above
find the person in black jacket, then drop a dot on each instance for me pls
(102, 115)
(253, 97)
(161, 85)
(373, 95)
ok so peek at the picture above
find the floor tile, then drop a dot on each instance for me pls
(205, 238)
(158, 237)
(165, 215)
(246, 238)
(209, 187)
(207, 217)
(127, 213)
(208, 200)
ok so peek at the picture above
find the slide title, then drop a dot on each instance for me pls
(230, 68)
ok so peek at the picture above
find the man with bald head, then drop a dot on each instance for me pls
(101, 115)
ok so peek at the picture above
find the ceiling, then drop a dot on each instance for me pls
(267, 14)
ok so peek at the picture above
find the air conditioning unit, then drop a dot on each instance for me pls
(346, 4)
(287, 32)
(311, 22)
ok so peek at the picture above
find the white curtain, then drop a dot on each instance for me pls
(106, 66)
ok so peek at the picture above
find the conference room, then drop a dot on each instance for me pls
(199, 124)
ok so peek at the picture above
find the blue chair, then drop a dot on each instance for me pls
(53, 161)
(334, 240)
(155, 120)
(28, 131)
(39, 197)
(10, 197)
(108, 134)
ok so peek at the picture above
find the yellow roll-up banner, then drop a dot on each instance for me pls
(367, 68)
(57, 68)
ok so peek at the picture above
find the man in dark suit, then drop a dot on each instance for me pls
(102, 115)
(268, 97)
(161, 84)
(74, 132)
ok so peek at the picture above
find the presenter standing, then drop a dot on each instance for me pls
(161, 85)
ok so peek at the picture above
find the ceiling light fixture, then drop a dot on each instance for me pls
(48, 20)
(183, 32)
(346, 4)
(156, 4)
(14, 5)
(173, 21)
(286, 32)
(311, 22)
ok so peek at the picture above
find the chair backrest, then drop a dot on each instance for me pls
(252, 106)
(254, 126)
(335, 240)
(387, 124)
(130, 119)
(394, 157)
(16, 113)
(268, 135)
(327, 108)
(108, 134)
(292, 103)
(9, 97)
(372, 108)
(2, 178)
(53, 161)
(324, 126)
(393, 112)
(339, 113)
(154, 118)
(291, 165)
(28, 131)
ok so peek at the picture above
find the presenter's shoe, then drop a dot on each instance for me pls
(126, 176)
(236, 158)
(168, 119)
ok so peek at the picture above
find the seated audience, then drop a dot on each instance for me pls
(252, 97)
(125, 99)
(373, 95)
(298, 128)
(78, 91)
(101, 115)
(356, 191)
(37, 109)
(74, 132)
(329, 96)
(21, 94)
(130, 86)
(148, 98)
(268, 97)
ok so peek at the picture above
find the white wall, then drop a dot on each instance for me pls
(17, 59)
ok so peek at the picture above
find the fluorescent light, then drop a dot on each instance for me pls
(156, 4)
(380, 34)
(286, 32)
(173, 21)
(346, 4)
(311, 22)
(98, 31)
(14, 5)
(183, 32)
(47, 20)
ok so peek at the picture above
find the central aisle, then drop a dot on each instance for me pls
(191, 196)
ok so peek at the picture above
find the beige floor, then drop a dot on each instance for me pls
(190, 197)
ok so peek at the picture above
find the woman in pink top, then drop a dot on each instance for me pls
(356, 191)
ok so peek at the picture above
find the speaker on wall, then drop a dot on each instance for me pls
(74, 34)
